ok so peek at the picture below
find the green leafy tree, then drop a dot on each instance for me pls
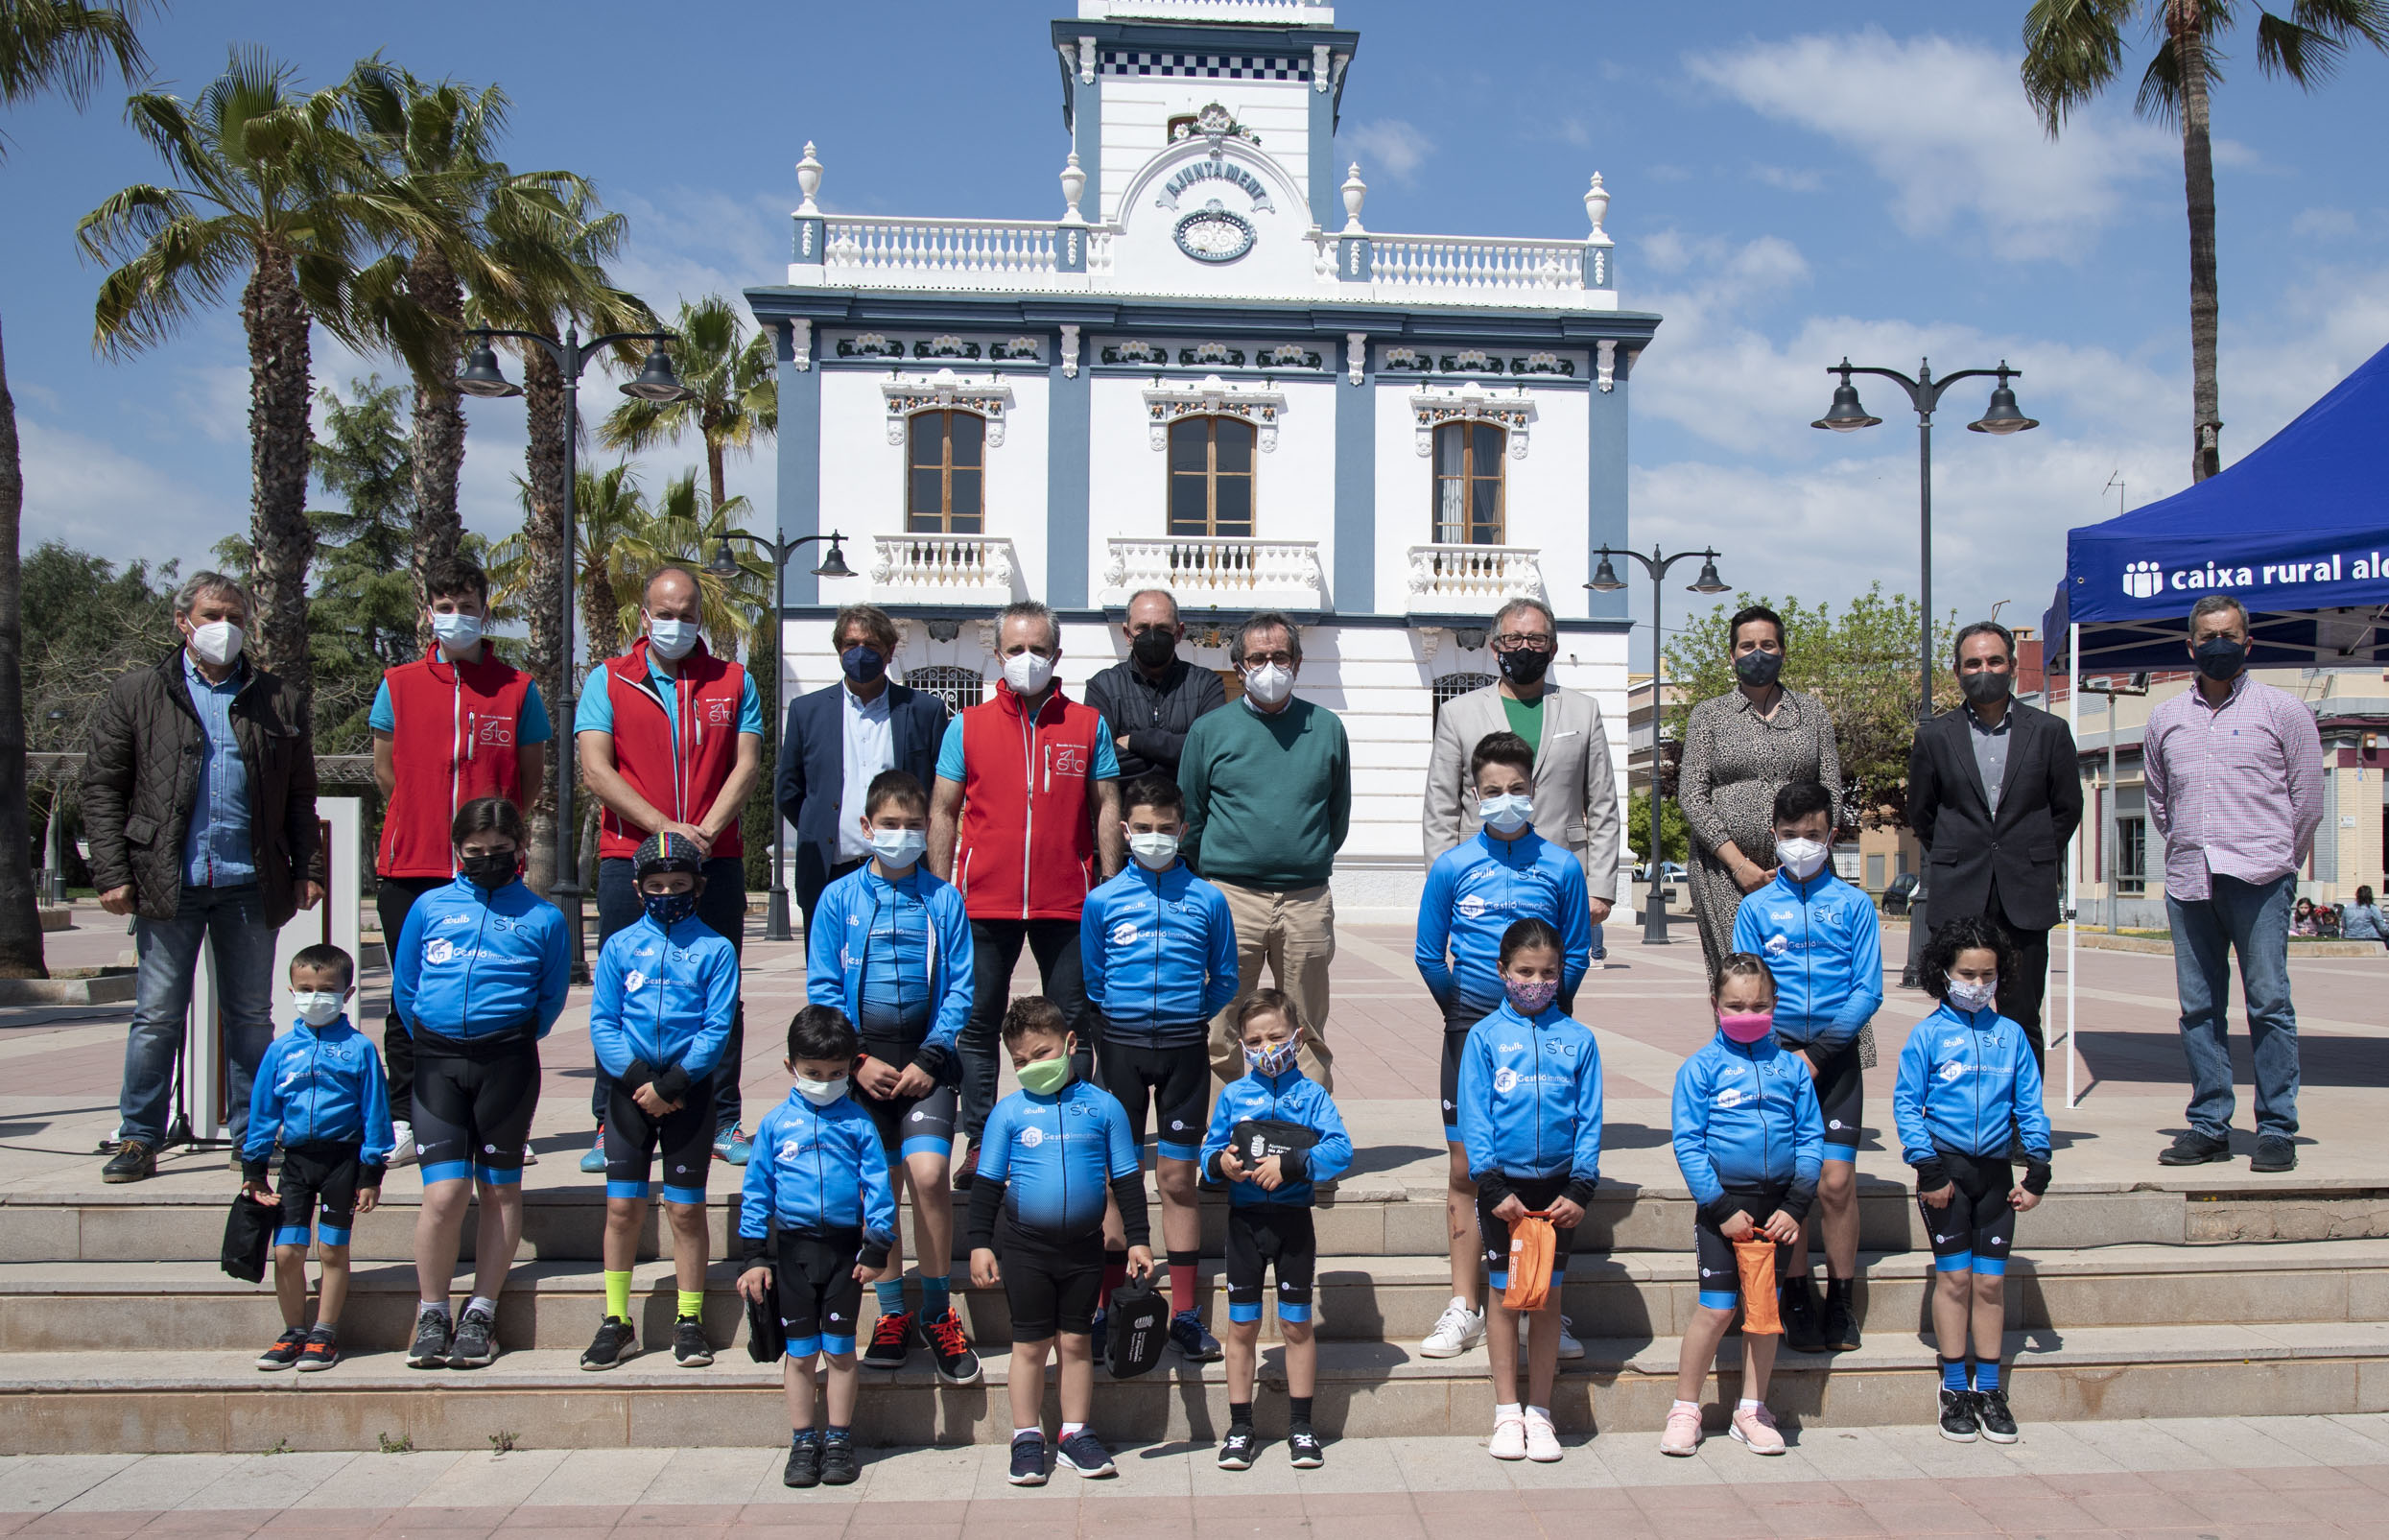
(2074, 50)
(362, 620)
(1673, 831)
(736, 384)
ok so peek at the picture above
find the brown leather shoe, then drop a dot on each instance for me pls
(134, 1162)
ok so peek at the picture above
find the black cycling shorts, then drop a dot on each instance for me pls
(313, 1173)
(1536, 1193)
(1278, 1236)
(1973, 1232)
(1841, 1099)
(911, 1125)
(819, 1295)
(1049, 1288)
(473, 1105)
(1174, 1082)
(1721, 1276)
(686, 1138)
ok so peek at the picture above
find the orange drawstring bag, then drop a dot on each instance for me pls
(1533, 1244)
(1755, 1259)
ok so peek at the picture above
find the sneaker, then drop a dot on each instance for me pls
(1456, 1330)
(804, 1463)
(838, 1462)
(689, 1347)
(951, 1347)
(1991, 1414)
(1682, 1435)
(966, 1170)
(1236, 1450)
(321, 1352)
(434, 1333)
(1957, 1416)
(891, 1341)
(134, 1162)
(594, 1162)
(1027, 1461)
(616, 1341)
(1304, 1449)
(1509, 1439)
(1755, 1430)
(402, 1147)
(285, 1350)
(1541, 1440)
(1570, 1349)
(1803, 1332)
(2194, 1149)
(2274, 1154)
(1841, 1326)
(1084, 1452)
(1193, 1345)
(476, 1344)
(733, 1146)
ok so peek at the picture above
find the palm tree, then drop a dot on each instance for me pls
(275, 191)
(2073, 50)
(65, 46)
(736, 389)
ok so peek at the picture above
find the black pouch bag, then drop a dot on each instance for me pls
(766, 1342)
(248, 1235)
(1257, 1139)
(1136, 1328)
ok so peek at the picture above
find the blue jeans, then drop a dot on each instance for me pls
(232, 921)
(721, 906)
(2253, 919)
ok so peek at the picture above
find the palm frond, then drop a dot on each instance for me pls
(67, 46)
(2072, 51)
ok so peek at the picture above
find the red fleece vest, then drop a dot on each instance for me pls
(453, 741)
(1024, 849)
(680, 778)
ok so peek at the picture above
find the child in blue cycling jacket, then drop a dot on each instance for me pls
(890, 946)
(1159, 949)
(1749, 1141)
(1270, 1199)
(1531, 1121)
(1474, 892)
(320, 1096)
(1969, 1097)
(1818, 935)
(817, 1202)
(666, 992)
(479, 976)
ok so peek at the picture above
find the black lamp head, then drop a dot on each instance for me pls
(1708, 583)
(482, 376)
(834, 565)
(1605, 578)
(656, 382)
(2002, 418)
(723, 564)
(1845, 416)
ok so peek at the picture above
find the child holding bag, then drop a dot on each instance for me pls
(1750, 1141)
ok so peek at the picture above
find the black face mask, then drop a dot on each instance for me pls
(1526, 666)
(1759, 666)
(863, 664)
(1984, 687)
(2219, 658)
(1153, 647)
(491, 869)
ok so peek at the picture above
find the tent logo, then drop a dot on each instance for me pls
(2143, 581)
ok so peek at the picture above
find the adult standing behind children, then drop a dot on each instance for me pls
(1153, 698)
(669, 739)
(457, 723)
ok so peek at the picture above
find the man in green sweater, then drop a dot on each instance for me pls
(1268, 800)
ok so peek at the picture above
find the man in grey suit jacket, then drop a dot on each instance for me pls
(1575, 791)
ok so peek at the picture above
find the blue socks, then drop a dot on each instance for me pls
(1987, 1375)
(891, 1296)
(936, 1298)
(1952, 1374)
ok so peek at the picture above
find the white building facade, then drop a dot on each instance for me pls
(1210, 376)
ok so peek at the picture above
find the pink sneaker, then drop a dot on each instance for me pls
(1755, 1430)
(1683, 1432)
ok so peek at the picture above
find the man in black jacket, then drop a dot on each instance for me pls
(1150, 701)
(1994, 793)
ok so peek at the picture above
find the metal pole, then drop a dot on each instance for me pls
(2114, 813)
(1924, 478)
(567, 834)
(1655, 918)
(775, 912)
(2074, 925)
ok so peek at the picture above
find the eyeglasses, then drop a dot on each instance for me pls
(1254, 660)
(1527, 641)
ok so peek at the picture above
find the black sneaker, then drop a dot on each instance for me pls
(476, 1344)
(689, 1347)
(951, 1346)
(321, 1352)
(434, 1334)
(1803, 1332)
(134, 1162)
(1990, 1414)
(891, 1340)
(1027, 1461)
(1236, 1450)
(1841, 1326)
(2274, 1154)
(838, 1462)
(285, 1350)
(804, 1463)
(1193, 1345)
(966, 1170)
(1957, 1416)
(2194, 1149)
(1303, 1447)
(616, 1341)
(1084, 1452)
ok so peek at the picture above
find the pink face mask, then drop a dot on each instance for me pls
(1747, 1027)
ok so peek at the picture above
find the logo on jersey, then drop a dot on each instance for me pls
(1031, 1137)
(919, 1115)
(1954, 1042)
(1952, 1071)
(440, 951)
(1732, 1096)
(634, 982)
(496, 732)
(791, 1147)
(1837, 1125)
(1125, 933)
(454, 919)
(1778, 945)
(1070, 759)
(1504, 1082)
(1472, 907)
(718, 712)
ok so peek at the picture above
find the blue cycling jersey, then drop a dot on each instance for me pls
(1747, 1114)
(664, 1000)
(1058, 1154)
(319, 1085)
(1967, 1083)
(1292, 1097)
(1821, 941)
(1530, 1098)
(895, 958)
(1476, 890)
(1159, 953)
(471, 964)
(816, 1169)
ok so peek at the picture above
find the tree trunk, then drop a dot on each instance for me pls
(281, 539)
(439, 432)
(2198, 182)
(543, 533)
(601, 618)
(20, 924)
(708, 424)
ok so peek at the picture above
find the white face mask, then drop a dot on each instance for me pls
(458, 634)
(218, 642)
(1157, 850)
(1967, 995)
(1027, 672)
(1507, 814)
(820, 1093)
(318, 1007)
(1801, 859)
(1269, 684)
(899, 847)
(671, 639)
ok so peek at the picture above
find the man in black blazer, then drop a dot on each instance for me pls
(1994, 794)
(840, 737)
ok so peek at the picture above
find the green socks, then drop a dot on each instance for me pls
(692, 1303)
(618, 1294)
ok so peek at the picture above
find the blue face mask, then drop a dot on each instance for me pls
(669, 910)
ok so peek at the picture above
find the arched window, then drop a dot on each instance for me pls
(945, 473)
(1468, 483)
(957, 688)
(1453, 686)
(1211, 478)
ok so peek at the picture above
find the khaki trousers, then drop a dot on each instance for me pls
(1294, 931)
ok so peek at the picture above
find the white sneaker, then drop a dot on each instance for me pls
(1570, 1349)
(402, 1147)
(1542, 1439)
(1456, 1330)
(1509, 1439)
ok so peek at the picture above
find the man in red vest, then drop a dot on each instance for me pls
(1024, 819)
(456, 726)
(671, 740)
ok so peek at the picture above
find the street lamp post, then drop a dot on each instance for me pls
(656, 382)
(1605, 580)
(1846, 415)
(776, 926)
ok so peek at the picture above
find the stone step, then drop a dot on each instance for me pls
(76, 1307)
(181, 1402)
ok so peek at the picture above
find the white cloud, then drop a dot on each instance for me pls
(1389, 145)
(2323, 225)
(1788, 179)
(92, 495)
(1946, 123)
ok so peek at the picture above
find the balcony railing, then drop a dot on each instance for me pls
(1200, 571)
(955, 253)
(1464, 578)
(1489, 267)
(945, 569)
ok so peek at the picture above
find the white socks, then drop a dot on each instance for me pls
(483, 1302)
(1542, 1414)
(1505, 1411)
(1692, 1407)
(1745, 1403)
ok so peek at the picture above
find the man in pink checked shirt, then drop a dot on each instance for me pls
(2235, 771)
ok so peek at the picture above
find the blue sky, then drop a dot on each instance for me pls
(1789, 185)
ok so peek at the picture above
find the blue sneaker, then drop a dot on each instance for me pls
(1027, 1461)
(733, 1146)
(594, 1162)
(1193, 1345)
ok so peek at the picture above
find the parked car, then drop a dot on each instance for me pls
(1902, 893)
(1671, 871)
